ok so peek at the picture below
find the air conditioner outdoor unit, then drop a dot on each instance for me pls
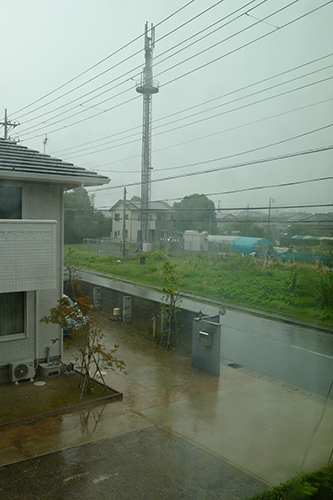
(21, 370)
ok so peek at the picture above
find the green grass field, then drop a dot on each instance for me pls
(295, 290)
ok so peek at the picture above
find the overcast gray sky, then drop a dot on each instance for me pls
(220, 56)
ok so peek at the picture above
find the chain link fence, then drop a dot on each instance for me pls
(116, 247)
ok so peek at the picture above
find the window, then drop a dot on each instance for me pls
(12, 312)
(116, 216)
(10, 202)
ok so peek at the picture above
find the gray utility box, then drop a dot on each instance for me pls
(50, 369)
(205, 338)
(206, 333)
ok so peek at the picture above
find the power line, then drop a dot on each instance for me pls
(255, 188)
(251, 95)
(221, 41)
(281, 207)
(201, 104)
(224, 112)
(180, 43)
(101, 61)
(208, 34)
(108, 90)
(217, 133)
(200, 67)
(249, 43)
(109, 69)
(228, 167)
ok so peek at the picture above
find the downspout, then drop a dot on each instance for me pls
(36, 329)
(62, 239)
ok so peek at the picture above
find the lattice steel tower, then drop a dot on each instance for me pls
(147, 87)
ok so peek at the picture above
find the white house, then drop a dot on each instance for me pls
(31, 250)
(160, 220)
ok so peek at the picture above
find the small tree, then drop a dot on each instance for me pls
(71, 272)
(86, 336)
(172, 299)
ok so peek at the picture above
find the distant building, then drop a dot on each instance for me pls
(160, 221)
(198, 242)
(323, 223)
(195, 241)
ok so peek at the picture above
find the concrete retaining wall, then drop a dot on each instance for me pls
(145, 306)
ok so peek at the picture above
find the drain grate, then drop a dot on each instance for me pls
(234, 365)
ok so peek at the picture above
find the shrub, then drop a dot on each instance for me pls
(158, 255)
(317, 485)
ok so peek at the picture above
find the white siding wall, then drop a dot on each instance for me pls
(28, 255)
(40, 202)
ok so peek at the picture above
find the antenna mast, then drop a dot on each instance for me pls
(45, 141)
(146, 86)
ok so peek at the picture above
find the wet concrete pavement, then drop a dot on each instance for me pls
(178, 433)
(149, 463)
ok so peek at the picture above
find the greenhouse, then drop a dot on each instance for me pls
(243, 244)
(246, 245)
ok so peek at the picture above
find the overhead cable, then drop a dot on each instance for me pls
(109, 69)
(102, 60)
(223, 112)
(248, 43)
(228, 167)
(98, 167)
(204, 111)
(109, 89)
(197, 68)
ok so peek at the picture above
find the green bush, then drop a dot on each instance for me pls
(158, 255)
(317, 485)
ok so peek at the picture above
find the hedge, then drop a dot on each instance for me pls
(317, 485)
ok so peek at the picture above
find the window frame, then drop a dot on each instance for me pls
(22, 190)
(22, 335)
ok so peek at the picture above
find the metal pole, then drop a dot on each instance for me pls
(271, 200)
(146, 87)
(124, 224)
(6, 125)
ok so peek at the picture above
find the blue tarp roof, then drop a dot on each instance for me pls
(244, 244)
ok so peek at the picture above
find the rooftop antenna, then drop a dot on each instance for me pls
(8, 125)
(147, 87)
(45, 141)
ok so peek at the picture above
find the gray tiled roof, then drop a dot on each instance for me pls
(19, 162)
(136, 205)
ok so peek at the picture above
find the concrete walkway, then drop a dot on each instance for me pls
(263, 429)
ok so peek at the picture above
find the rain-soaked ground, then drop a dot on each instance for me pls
(178, 433)
(31, 399)
(149, 463)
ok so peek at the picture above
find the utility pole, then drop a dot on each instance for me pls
(271, 200)
(7, 125)
(147, 87)
(124, 224)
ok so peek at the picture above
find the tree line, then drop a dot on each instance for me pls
(194, 212)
